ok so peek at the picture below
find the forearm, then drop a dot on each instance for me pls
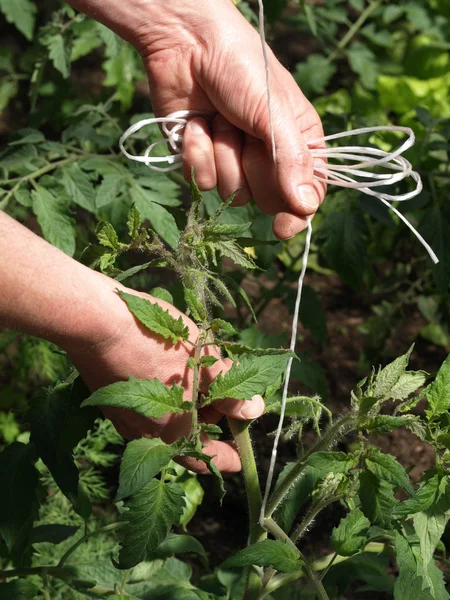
(45, 293)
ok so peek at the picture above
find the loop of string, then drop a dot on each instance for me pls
(356, 173)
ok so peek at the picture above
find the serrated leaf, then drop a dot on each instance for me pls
(19, 589)
(53, 534)
(79, 188)
(21, 13)
(134, 222)
(345, 246)
(193, 492)
(59, 51)
(387, 423)
(222, 327)
(208, 361)
(14, 158)
(161, 220)
(148, 397)
(210, 428)
(388, 377)
(408, 384)
(162, 294)
(430, 525)
(155, 318)
(19, 502)
(408, 585)
(438, 392)
(349, 537)
(424, 498)
(133, 270)
(107, 236)
(251, 375)
(208, 460)
(149, 516)
(142, 460)
(332, 462)
(269, 552)
(195, 305)
(364, 63)
(235, 253)
(108, 190)
(377, 499)
(314, 74)
(57, 226)
(224, 231)
(386, 467)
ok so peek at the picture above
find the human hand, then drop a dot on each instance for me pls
(128, 348)
(206, 56)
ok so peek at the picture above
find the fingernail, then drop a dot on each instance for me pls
(253, 409)
(196, 126)
(307, 198)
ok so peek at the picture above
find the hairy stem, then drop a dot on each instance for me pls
(312, 514)
(196, 384)
(241, 436)
(324, 442)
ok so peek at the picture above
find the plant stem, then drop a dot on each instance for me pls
(354, 29)
(241, 436)
(324, 442)
(110, 527)
(196, 384)
(312, 514)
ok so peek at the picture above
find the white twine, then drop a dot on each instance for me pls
(353, 174)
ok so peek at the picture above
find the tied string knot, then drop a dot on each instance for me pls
(356, 173)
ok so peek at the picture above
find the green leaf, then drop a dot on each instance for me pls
(386, 467)
(155, 318)
(54, 534)
(349, 537)
(377, 499)
(237, 254)
(57, 226)
(430, 525)
(15, 158)
(148, 397)
(192, 489)
(408, 384)
(162, 294)
(24, 198)
(8, 90)
(210, 428)
(108, 190)
(208, 460)
(251, 375)
(133, 270)
(389, 377)
(364, 63)
(269, 552)
(59, 51)
(195, 305)
(408, 585)
(224, 231)
(332, 462)
(208, 361)
(298, 495)
(19, 502)
(161, 220)
(424, 498)
(386, 423)
(79, 188)
(222, 327)
(314, 74)
(107, 236)
(142, 460)
(18, 589)
(57, 425)
(438, 392)
(345, 246)
(149, 516)
(21, 13)
(134, 222)
(180, 544)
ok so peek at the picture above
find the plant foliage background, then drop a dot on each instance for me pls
(68, 89)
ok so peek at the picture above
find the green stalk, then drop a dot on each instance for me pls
(354, 29)
(325, 441)
(241, 436)
(312, 514)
